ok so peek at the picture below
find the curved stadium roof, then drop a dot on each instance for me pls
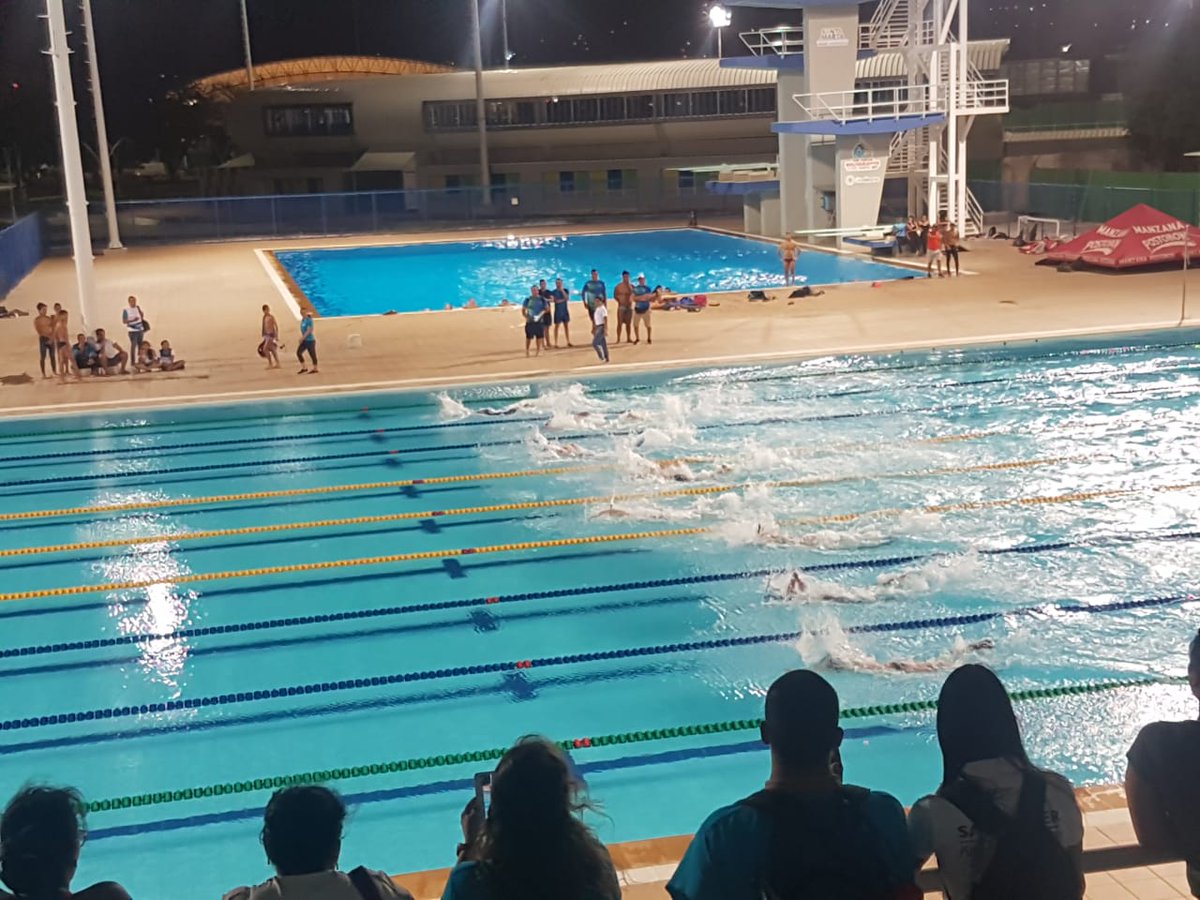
(312, 69)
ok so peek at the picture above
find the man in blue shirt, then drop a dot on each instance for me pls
(643, 297)
(534, 308)
(561, 298)
(308, 343)
(805, 834)
(592, 291)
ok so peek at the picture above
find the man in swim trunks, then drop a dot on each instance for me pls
(643, 300)
(62, 343)
(788, 252)
(44, 326)
(593, 291)
(269, 348)
(950, 244)
(534, 308)
(623, 294)
(560, 297)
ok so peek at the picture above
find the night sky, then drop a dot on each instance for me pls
(148, 47)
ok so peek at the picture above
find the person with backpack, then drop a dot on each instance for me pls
(1000, 826)
(806, 836)
(1162, 784)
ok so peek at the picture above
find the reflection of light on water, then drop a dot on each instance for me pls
(165, 609)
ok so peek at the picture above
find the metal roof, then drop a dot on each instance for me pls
(986, 56)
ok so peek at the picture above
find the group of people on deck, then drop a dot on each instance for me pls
(547, 308)
(931, 241)
(97, 352)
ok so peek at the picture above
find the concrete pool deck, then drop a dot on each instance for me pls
(205, 298)
(644, 867)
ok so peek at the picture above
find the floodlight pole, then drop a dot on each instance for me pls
(1187, 246)
(106, 175)
(246, 46)
(504, 30)
(485, 168)
(68, 134)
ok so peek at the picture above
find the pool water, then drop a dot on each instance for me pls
(189, 644)
(414, 277)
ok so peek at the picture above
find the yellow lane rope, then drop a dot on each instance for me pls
(294, 492)
(385, 485)
(511, 507)
(561, 542)
(991, 504)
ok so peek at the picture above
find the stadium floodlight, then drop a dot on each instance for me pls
(720, 18)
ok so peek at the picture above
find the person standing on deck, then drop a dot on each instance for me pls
(623, 294)
(561, 298)
(789, 251)
(44, 326)
(593, 291)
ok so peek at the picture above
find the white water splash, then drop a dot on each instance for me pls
(830, 648)
(451, 409)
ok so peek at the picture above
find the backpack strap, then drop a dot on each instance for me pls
(974, 803)
(1031, 808)
(364, 883)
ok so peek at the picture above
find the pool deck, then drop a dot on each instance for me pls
(644, 867)
(205, 298)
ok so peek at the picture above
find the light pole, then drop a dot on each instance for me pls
(246, 45)
(68, 135)
(508, 55)
(720, 18)
(485, 177)
(106, 175)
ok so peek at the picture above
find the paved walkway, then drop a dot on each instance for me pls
(205, 298)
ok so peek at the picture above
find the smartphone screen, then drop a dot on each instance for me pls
(483, 792)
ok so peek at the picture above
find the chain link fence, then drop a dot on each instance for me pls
(1078, 203)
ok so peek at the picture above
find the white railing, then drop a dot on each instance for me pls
(867, 104)
(984, 96)
(782, 41)
(894, 36)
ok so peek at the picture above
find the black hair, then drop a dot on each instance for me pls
(302, 830)
(802, 719)
(40, 835)
(1194, 654)
(975, 720)
(41, 306)
(535, 846)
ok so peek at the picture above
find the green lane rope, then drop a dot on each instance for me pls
(325, 776)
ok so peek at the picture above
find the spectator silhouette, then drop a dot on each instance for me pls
(533, 844)
(40, 836)
(1163, 784)
(997, 822)
(805, 835)
(302, 834)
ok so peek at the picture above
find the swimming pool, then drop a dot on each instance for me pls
(453, 587)
(414, 277)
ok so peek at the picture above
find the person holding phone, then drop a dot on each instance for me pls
(531, 842)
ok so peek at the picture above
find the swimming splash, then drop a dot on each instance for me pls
(449, 408)
(830, 649)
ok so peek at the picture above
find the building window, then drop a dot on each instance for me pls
(640, 107)
(325, 120)
(585, 110)
(760, 100)
(612, 109)
(616, 180)
(704, 103)
(687, 180)
(677, 105)
(566, 182)
(558, 112)
(526, 112)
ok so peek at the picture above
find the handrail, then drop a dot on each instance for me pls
(783, 40)
(1102, 859)
(867, 103)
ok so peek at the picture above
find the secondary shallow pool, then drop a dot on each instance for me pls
(414, 277)
(381, 592)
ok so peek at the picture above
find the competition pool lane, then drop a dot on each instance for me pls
(414, 277)
(199, 605)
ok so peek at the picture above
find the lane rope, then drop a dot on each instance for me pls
(126, 640)
(983, 359)
(195, 578)
(410, 482)
(583, 436)
(672, 732)
(510, 507)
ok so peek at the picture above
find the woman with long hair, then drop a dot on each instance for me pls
(41, 834)
(533, 845)
(988, 784)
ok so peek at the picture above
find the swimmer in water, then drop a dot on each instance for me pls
(799, 588)
(850, 659)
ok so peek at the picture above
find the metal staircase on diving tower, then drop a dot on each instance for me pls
(931, 115)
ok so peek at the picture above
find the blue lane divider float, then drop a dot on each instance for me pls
(620, 587)
(591, 435)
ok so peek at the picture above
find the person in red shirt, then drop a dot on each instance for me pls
(933, 251)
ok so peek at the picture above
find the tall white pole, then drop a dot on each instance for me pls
(952, 101)
(964, 75)
(720, 48)
(246, 45)
(504, 28)
(106, 175)
(485, 168)
(68, 133)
